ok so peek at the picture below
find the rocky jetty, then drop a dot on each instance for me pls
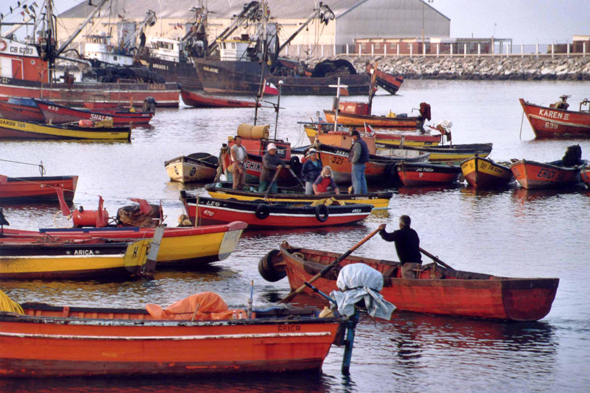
(477, 68)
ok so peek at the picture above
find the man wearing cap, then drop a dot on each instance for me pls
(360, 157)
(311, 170)
(271, 163)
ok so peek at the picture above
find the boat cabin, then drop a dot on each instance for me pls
(234, 50)
(22, 61)
(167, 49)
(98, 47)
(355, 108)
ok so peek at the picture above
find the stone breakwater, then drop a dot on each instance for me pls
(477, 68)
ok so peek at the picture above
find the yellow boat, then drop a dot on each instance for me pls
(34, 259)
(445, 153)
(223, 190)
(11, 129)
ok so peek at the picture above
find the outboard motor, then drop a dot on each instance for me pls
(149, 105)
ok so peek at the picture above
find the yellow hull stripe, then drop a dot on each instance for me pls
(65, 133)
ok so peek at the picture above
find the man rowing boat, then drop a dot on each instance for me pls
(407, 245)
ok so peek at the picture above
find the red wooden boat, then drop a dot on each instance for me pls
(437, 290)
(37, 189)
(87, 342)
(483, 172)
(21, 109)
(191, 98)
(58, 114)
(532, 174)
(359, 120)
(211, 211)
(550, 122)
(388, 82)
(378, 170)
(424, 174)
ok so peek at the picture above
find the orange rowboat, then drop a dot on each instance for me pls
(532, 174)
(437, 290)
(36, 189)
(400, 123)
(74, 341)
(557, 123)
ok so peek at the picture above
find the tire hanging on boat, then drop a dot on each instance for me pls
(268, 270)
(321, 213)
(262, 211)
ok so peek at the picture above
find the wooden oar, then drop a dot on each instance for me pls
(435, 259)
(274, 179)
(296, 177)
(329, 267)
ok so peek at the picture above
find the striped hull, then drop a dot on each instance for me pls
(422, 174)
(213, 211)
(11, 129)
(485, 173)
(58, 114)
(400, 123)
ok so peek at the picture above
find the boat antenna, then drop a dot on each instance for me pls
(278, 107)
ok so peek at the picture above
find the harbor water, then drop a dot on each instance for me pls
(511, 232)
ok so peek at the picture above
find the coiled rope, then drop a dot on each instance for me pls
(8, 305)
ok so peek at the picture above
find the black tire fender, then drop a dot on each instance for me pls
(267, 268)
(262, 211)
(322, 213)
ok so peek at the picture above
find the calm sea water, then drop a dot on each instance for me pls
(512, 232)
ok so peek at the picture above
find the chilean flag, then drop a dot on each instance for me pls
(271, 89)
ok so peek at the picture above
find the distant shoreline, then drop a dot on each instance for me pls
(476, 68)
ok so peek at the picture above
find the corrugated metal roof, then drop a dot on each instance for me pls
(220, 9)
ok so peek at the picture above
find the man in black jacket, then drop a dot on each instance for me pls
(407, 245)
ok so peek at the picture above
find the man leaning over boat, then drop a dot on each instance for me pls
(407, 246)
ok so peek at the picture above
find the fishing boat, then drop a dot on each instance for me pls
(448, 153)
(21, 109)
(196, 167)
(485, 173)
(380, 169)
(533, 174)
(224, 190)
(211, 211)
(72, 341)
(425, 174)
(191, 98)
(58, 114)
(37, 189)
(553, 122)
(36, 258)
(436, 290)
(359, 120)
(11, 129)
(28, 70)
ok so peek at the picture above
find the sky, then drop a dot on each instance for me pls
(525, 21)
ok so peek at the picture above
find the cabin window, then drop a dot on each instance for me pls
(233, 45)
(364, 45)
(377, 45)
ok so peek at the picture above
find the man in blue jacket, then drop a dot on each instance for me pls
(311, 170)
(360, 156)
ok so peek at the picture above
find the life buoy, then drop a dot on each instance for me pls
(262, 211)
(321, 213)
(3, 45)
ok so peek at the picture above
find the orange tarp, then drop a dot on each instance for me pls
(208, 306)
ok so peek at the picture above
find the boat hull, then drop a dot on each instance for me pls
(179, 246)
(585, 175)
(37, 189)
(186, 170)
(534, 175)
(11, 129)
(68, 260)
(20, 112)
(482, 296)
(59, 114)
(211, 211)
(191, 98)
(446, 153)
(387, 138)
(165, 94)
(423, 174)
(484, 173)
(401, 123)
(556, 123)
(132, 343)
(223, 190)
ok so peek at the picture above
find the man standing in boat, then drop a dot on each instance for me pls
(238, 157)
(311, 170)
(360, 156)
(271, 163)
(407, 246)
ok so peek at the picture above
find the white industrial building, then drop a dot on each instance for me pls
(354, 19)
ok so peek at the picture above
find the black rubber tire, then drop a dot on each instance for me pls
(322, 213)
(295, 164)
(262, 211)
(267, 269)
(391, 176)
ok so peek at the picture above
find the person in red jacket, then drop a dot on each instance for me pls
(325, 182)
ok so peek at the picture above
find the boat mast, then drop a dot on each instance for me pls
(248, 13)
(326, 15)
(73, 36)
